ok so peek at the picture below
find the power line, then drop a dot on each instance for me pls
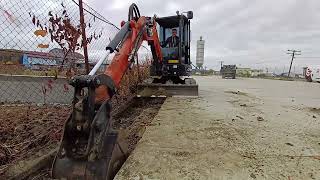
(221, 63)
(293, 53)
(310, 57)
(97, 15)
(100, 17)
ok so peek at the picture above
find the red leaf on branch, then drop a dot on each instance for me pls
(65, 87)
(34, 20)
(49, 84)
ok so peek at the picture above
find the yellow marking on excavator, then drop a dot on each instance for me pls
(173, 61)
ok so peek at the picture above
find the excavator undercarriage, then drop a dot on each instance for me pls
(168, 87)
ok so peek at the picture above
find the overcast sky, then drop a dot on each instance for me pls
(247, 33)
(243, 32)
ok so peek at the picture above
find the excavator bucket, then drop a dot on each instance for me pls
(149, 89)
(90, 147)
(101, 162)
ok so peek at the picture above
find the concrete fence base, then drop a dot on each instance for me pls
(34, 89)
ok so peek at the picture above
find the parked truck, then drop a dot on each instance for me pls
(312, 73)
(228, 71)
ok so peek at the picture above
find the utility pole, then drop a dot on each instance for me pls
(84, 38)
(293, 53)
(221, 63)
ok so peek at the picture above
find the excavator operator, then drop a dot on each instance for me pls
(173, 40)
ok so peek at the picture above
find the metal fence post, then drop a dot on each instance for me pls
(84, 38)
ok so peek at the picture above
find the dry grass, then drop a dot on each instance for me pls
(26, 129)
(129, 83)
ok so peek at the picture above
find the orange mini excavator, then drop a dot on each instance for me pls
(90, 148)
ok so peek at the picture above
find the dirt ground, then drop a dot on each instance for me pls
(235, 129)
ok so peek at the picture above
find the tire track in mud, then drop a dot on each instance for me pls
(262, 161)
(246, 109)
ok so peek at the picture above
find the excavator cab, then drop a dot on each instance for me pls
(170, 77)
(176, 60)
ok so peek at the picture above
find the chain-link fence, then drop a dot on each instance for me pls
(42, 44)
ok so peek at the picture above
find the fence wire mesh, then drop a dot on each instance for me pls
(42, 45)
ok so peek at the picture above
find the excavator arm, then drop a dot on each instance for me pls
(135, 31)
(90, 148)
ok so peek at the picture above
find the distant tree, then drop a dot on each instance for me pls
(210, 71)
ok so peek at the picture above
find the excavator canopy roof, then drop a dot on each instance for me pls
(171, 21)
